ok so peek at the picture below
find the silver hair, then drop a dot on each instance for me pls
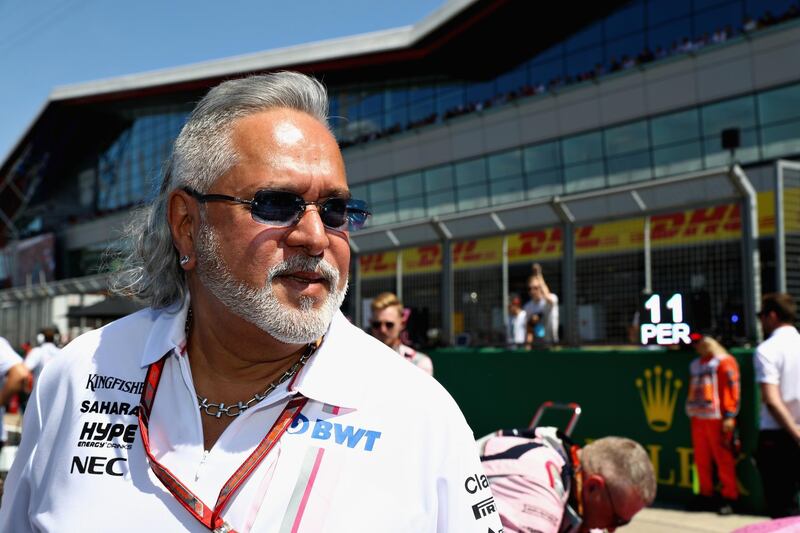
(622, 462)
(202, 153)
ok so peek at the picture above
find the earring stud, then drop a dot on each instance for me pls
(184, 260)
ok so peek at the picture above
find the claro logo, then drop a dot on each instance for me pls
(349, 436)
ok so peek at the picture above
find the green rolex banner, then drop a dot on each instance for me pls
(638, 394)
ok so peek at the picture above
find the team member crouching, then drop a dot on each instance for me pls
(542, 482)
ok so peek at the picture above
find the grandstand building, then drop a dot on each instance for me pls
(491, 135)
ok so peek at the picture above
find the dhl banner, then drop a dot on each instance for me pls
(695, 226)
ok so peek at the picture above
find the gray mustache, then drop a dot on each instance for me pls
(309, 264)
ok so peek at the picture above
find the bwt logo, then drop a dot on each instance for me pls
(324, 430)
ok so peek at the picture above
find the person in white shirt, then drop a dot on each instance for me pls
(242, 399)
(777, 366)
(13, 378)
(541, 311)
(516, 330)
(45, 352)
(388, 324)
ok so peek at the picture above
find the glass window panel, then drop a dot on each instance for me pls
(471, 172)
(676, 127)
(779, 105)
(624, 21)
(708, 21)
(396, 97)
(545, 72)
(627, 138)
(360, 192)
(381, 191)
(703, 4)
(660, 11)
(551, 53)
(409, 208)
(584, 177)
(544, 183)
(449, 99)
(372, 104)
(738, 113)
(507, 190)
(584, 61)
(479, 92)
(441, 203)
(780, 140)
(630, 46)
(472, 197)
(629, 168)
(669, 35)
(582, 148)
(748, 151)
(420, 92)
(383, 213)
(541, 156)
(439, 178)
(587, 37)
(757, 8)
(677, 159)
(397, 116)
(512, 80)
(421, 111)
(505, 164)
(409, 184)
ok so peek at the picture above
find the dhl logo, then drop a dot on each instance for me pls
(686, 227)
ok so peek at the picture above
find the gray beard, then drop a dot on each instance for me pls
(260, 305)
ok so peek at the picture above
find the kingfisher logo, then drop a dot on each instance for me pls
(349, 436)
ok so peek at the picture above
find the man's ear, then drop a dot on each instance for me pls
(594, 482)
(183, 216)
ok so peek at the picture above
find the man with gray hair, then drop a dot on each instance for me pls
(242, 399)
(543, 482)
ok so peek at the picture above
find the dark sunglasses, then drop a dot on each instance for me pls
(283, 209)
(618, 521)
(376, 324)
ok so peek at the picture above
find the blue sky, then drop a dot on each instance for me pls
(47, 43)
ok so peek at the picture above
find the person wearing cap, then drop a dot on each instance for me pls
(712, 404)
(388, 324)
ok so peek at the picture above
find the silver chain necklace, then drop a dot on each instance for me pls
(218, 409)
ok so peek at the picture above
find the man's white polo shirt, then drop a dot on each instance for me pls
(380, 446)
(777, 361)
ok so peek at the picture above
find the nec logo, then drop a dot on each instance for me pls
(346, 435)
(97, 466)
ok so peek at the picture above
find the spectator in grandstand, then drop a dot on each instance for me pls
(44, 352)
(541, 311)
(388, 324)
(543, 482)
(14, 376)
(517, 327)
(712, 404)
(777, 366)
(245, 383)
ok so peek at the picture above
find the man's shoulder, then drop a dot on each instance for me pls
(780, 340)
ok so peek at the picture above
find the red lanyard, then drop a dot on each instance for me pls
(210, 517)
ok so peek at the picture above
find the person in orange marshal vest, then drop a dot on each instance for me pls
(712, 404)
